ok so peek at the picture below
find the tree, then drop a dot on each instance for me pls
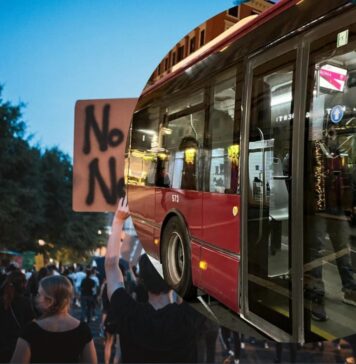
(36, 194)
(64, 227)
(20, 201)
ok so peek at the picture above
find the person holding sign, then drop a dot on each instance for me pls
(159, 331)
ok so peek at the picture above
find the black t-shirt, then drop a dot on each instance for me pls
(141, 293)
(167, 335)
(56, 347)
(87, 287)
(105, 299)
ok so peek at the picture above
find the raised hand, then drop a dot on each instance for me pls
(122, 212)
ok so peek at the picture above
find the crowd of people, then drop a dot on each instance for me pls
(141, 318)
(36, 324)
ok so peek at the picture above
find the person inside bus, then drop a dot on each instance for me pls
(335, 226)
(159, 331)
(162, 179)
(190, 147)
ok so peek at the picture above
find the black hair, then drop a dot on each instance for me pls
(14, 285)
(153, 282)
(188, 142)
(43, 272)
(12, 267)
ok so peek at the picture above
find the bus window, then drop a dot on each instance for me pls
(144, 142)
(330, 192)
(193, 100)
(223, 145)
(182, 138)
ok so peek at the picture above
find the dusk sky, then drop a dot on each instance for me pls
(55, 52)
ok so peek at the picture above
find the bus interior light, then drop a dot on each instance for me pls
(281, 99)
(162, 156)
(146, 131)
(167, 131)
(190, 155)
(233, 153)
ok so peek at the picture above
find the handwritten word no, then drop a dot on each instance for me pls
(112, 194)
(105, 138)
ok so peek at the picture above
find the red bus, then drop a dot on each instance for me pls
(242, 171)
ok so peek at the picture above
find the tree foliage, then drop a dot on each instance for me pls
(36, 194)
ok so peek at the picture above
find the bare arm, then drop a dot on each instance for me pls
(22, 353)
(114, 277)
(103, 318)
(89, 353)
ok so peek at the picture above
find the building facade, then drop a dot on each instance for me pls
(206, 32)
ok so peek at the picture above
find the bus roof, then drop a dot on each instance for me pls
(237, 31)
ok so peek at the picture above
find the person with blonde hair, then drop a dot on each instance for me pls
(56, 337)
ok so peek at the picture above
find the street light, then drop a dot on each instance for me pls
(41, 242)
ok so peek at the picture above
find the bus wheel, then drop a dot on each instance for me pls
(176, 258)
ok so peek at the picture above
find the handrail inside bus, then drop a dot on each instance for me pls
(263, 185)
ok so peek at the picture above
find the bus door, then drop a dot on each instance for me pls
(269, 285)
(330, 181)
(220, 246)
